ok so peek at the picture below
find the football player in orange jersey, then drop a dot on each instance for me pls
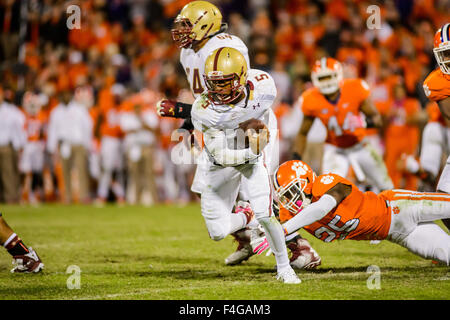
(330, 207)
(111, 147)
(32, 157)
(437, 88)
(344, 107)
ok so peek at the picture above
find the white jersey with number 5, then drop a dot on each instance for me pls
(260, 95)
(194, 62)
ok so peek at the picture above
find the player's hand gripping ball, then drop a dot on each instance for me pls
(257, 134)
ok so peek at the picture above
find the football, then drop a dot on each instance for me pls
(256, 134)
(253, 124)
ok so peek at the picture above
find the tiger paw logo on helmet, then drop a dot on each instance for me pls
(300, 169)
(327, 179)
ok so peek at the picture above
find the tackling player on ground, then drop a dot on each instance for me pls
(198, 30)
(330, 207)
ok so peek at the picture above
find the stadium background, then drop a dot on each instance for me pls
(129, 43)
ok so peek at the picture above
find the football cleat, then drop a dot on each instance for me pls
(288, 276)
(303, 255)
(27, 263)
(244, 250)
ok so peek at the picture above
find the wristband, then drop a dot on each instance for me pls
(182, 110)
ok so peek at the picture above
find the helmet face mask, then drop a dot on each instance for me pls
(441, 48)
(293, 197)
(182, 33)
(293, 181)
(222, 89)
(225, 75)
(442, 54)
(197, 21)
(327, 75)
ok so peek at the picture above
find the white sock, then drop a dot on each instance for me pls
(237, 221)
(291, 236)
(253, 224)
(277, 241)
(9, 240)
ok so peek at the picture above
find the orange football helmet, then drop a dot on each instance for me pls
(293, 181)
(326, 75)
(441, 48)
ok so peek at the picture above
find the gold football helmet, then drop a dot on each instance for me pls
(196, 21)
(225, 75)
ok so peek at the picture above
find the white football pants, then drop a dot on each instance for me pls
(412, 216)
(367, 164)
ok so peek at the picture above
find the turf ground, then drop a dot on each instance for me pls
(164, 252)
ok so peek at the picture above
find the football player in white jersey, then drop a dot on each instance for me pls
(235, 98)
(198, 30)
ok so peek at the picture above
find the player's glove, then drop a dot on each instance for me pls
(166, 108)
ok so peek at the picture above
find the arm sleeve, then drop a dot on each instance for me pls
(216, 145)
(182, 110)
(314, 212)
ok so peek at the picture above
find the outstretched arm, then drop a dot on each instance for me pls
(319, 209)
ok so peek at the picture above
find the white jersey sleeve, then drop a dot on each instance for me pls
(263, 92)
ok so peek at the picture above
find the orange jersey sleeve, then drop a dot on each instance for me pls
(437, 86)
(335, 115)
(360, 216)
(308, 102)
(434, 114)
(359, 88)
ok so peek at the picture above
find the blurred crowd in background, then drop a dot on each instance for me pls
(78, 121)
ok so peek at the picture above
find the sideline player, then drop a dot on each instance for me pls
(236, 95)
(330, 207)
(338, 103)
(25, 259)
(198, 30)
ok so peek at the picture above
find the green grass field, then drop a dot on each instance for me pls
(164, 252)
